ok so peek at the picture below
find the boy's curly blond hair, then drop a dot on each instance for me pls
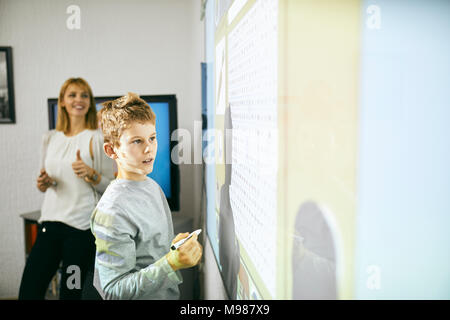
(119, 114)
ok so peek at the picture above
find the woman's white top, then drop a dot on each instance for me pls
(72, 200)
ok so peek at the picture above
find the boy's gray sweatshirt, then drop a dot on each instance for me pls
(133, 230)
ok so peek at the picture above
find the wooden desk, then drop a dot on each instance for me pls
(31, 227)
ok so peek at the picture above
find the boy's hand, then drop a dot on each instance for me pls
(186, 256)
(80, 168)
(44, 181)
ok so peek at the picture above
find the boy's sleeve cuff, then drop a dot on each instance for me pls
(164, 265)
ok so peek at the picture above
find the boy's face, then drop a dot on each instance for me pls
(138, 147)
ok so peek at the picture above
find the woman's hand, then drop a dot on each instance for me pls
(44, 181)
(80, 168)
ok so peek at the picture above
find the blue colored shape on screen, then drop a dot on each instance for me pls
(161, 167)
(211, 215)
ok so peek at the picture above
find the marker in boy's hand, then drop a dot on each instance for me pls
(179, 243)
(187, 255)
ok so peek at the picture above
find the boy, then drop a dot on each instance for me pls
(132, 222)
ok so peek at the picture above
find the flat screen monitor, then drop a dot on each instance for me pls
(165, 171)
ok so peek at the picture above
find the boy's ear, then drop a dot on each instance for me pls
(109, 150)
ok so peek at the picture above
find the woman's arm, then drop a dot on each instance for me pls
(44, 181)
(103, 169)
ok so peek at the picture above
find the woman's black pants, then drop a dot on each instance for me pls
(57, 242)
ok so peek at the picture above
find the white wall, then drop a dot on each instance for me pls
(212, 282)
(144, 46)
(212, 287)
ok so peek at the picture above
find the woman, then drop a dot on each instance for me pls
(74, 171)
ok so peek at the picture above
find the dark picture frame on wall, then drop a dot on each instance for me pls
(7, 108)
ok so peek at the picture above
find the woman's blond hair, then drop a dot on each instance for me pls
(119, 114)
(63, 120)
